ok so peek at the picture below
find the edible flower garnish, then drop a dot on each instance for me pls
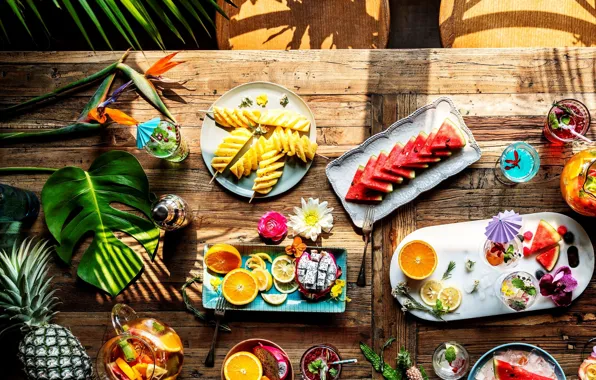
(311, 219)
(215, 282)
(558, 286)
(337, 288)
(272, 226)
(513, 163)
(297, 248)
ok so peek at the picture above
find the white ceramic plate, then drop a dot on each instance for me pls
(341, 171)
(466, 240)
(212, 135)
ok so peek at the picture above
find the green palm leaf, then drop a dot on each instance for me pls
(78, 202)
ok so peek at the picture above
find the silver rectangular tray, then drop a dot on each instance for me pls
(341, 170)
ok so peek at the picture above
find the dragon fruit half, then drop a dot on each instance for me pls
(315, 273)
(275, 363)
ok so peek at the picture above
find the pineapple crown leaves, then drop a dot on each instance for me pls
(25, 295)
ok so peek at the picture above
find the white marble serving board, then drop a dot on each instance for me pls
(340, 171)
(461, 241)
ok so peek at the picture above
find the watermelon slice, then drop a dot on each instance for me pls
(383, 175)
(548, 259)
(505, 371)
(546, 236)
(426, 152)
(358, 193)
(374, 184)
(414, 156)
(449, 137)
(402, 172)
(405, 153)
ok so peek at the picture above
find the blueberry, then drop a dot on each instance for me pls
(573, 256)
(539, 274)
(568, 237)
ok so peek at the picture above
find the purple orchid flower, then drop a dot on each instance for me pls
(558, 286)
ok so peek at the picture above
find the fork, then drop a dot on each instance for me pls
(367, 228)
(220, 311)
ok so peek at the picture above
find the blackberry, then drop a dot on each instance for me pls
(539, 274)
(568, 237)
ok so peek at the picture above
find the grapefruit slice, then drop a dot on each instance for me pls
(370, 182)
(548, 259)
(504, 370)
(415, 157)
(449, 136)
(545, 237)
(402, 172)
(358, 193)
(381, 175)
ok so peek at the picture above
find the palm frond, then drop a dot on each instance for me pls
(183, 11)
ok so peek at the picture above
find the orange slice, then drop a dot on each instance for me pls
(417, 259)
(222, 258)
(243, 366)
(171, 342)
(239, 287)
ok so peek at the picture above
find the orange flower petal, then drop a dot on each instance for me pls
(162, 65)
(94, 115)
(120, 117)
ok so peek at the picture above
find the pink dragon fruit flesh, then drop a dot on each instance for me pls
(315, 273)
(282, 361)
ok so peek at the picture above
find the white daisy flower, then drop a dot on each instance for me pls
(311, 219)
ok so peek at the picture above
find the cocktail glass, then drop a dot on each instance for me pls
(451, 361)
(578, 182)
(564, 117)
(145, 347)
(518, 163)
(518, 290)
(327, 354)
(167, 142)
(502, 255)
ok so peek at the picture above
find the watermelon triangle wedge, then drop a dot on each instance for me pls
(374, 184)
(414, 157)
(449, 137)
(546, 236)
(548, 259)
(405, 154)
(358, 193)
(505, 371)
(388, 166)
(426, 152)
(382, 175)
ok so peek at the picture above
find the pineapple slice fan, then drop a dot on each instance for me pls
(250, 160)
(229, 148)
(239, 118)
(270, 169)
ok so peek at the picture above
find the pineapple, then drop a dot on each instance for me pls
(48, 351)
(236, 118)
(229, 148)
(270, 169)
(249, 160)
(285, 119)
(404, 361)
(293, 144)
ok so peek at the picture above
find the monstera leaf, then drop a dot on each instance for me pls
(78, 203)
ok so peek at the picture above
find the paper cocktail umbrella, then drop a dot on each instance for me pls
(503, 227)
(145, 130)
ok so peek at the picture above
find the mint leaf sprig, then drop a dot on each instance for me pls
(521, 285)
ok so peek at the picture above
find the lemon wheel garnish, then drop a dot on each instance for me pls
(262, 255)
(274, 299)
(450, 298)
(255, 262)
(283, 269)
(429, 292)
(286, 288)
(264, 279)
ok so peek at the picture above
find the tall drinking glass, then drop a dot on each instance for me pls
(565, 116)
(167, 142)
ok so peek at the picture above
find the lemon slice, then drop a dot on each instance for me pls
(430, 292)
(287, 288)
(262, 255)
(274, 299)
(262, 277)
(255, 262)
(451, 298)
(283, 269)
(155, 372)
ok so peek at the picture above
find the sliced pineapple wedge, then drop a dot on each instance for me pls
(250, 159)
(229, 148)
(235, 117)
(293, 144)
(286, 119)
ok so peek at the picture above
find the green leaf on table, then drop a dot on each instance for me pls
(78, 202)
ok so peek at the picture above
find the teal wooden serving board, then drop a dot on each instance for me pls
(295, 301)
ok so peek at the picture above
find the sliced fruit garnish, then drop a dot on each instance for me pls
(124, 367)
(222, 258)
(429, 292)
(450, 298)
(170, 342)
(283, 269)
(239, 287)
(243, 366)
(274, 299)
(545, 237)
(255, 262)
(417, 259)
(155, 372)
(263, 255)
(264, 280)
(286, 288)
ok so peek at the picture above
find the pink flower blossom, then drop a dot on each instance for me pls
(272, 226)
(558, 286)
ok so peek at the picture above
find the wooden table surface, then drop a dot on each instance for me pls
(503, 95)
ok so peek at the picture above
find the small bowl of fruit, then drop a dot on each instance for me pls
(255, 359)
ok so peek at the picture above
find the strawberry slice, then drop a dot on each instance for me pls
(402, 172)
(414, 157)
